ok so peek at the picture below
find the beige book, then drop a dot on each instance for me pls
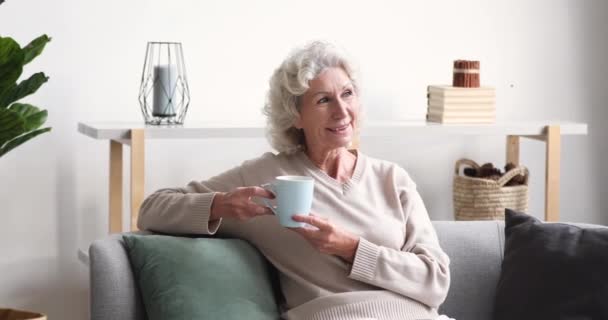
(437, 99)
(461, 106)
(461, 113)
(462, 120)
(449, 91)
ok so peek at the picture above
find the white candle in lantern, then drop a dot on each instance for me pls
(165, 80)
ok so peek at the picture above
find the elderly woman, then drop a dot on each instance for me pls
(371, 252)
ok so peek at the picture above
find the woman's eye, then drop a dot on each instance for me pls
(348, 93)
(322, 100)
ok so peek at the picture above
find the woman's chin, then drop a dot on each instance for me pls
(342, 142)
(337, 139)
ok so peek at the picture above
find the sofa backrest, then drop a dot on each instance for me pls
(475, 249)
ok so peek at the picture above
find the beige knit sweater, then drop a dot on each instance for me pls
(399, 270)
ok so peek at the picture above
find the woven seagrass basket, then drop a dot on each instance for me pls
(486, 199)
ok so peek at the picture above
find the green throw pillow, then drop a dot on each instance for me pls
(186, 278)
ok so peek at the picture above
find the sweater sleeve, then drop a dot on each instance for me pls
(186, 210)
(420, 269)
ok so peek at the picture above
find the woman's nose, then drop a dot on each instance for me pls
(340, 109)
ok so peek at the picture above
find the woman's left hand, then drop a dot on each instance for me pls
(327, 237)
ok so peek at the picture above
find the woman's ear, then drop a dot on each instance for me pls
(298, 123)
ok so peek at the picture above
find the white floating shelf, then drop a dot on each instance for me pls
(120, 130)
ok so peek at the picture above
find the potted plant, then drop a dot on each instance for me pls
(19, 122)
(10, 314)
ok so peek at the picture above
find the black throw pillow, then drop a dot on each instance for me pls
(552, 271)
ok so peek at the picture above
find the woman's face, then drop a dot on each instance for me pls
(328, 111)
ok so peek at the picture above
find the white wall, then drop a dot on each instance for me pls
(546, 59)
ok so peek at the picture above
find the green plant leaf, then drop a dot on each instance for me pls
(23, 89)
(32, 116)
(19, 122)
(10, 145)
(11, 63)
(12, 125)
(23, 109)
(34, 48)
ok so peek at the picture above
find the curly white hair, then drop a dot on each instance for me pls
(289, 82)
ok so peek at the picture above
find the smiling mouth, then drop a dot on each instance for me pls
(339, 129)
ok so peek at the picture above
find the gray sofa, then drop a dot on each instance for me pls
(475, 249)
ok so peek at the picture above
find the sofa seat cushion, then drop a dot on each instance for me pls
(190, 278)
(552, 271)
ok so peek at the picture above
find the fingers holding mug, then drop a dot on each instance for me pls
(261, 191)
(251, 208)
(238, 204)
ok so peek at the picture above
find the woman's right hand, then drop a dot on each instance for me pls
(237, 203)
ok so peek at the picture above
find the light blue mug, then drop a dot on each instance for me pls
(293, 196)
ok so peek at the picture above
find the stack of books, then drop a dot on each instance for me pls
(447, 104)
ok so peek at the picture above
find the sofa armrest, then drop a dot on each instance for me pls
(114, 293)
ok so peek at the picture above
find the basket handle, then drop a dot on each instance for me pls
(463, 161)
(512, 173)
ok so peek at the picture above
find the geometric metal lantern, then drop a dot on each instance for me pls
(164, 95)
